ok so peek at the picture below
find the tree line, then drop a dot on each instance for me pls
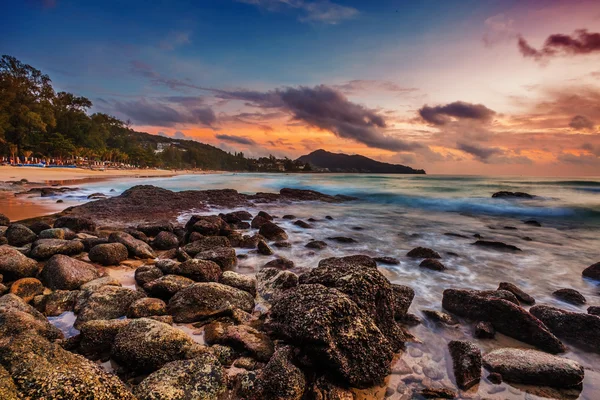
(38, 122)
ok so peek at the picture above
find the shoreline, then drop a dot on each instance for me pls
(25, 206)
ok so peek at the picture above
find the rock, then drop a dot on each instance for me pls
(322, 389)
(302, 224)
(146, 345)
(202, 377)
(259, 221)
(65, 273)
(107, 302)
(496, 245)
(485, 330)
(334, 333)
(432, 264)
(423, 252)
(289, 216)
(98, 283)
(8, 390)
(316, 244)
(241, 337)
(342, 239)
(76, 224)
(280, 379)
(54, 233)
(14, 265)
(440, 317)
(570, 296)
(165, 241)
(403, 297)
(226, 355)
(280, 263)
(521, 295)
(39, 226)
(201, 300)
(108, 254)
(437, 393)
(387, 260)
(507, 317)
(532, 222)
(137, 235)
(166, 286)
(506, 194)
(155, 228)
(272, 283)
(239, 281)
(271, 231)
(263, 248)
(282, 245)
(593, 271)
(19, 235)
(495, 378)
(17, 317)
(594, 310)
(98, 336)
(146, 307)
(223, 256)
(56, 303)
(45, 248)
(43, 370)
(135, 247)
(367, 287)
(90, 242)
(208, 225)
(206, 243)
(466, 362)
(27, 288)
(4, 220)
(532, 367)
(236, 216)
(147, 273)
(578, 328)
(195, 269)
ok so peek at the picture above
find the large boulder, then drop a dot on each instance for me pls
(146, 307)
(202, 377)
(367, 287)
(147, 273)
(281, 379)
(240, 337)
(507, 317)
(76, 224)
(403, 297)
(271, 283)
(146, 345)
(166, 286)
(98, 336)
(55, 303)
(19, 235)
(208, 225)
(17, 317)
(520, 294)
(65, 273)
(202, 300)
(27, 288)
(532, 367)
(135, 247)
(224, 256)
(165, 241)
(195, 269)
(333, 332)
(155, 228)
(43, 249)
(578, 328)
(466, 362)
(14, 265)
(107, 302)
(239, 281)
(43, 370)
(570, 296)
(593, 271)
(108, 253)
(271, 231)
(206, 243)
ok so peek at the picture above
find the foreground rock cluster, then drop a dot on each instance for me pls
(326, 333)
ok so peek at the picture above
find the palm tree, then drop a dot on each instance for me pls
(13, 152)
(27, 154)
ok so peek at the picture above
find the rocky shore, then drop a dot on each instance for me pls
(335, 331)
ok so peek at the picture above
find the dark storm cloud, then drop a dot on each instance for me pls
(483, 154)
(154, 113)
(236, 139)
(441, 115)
(581, 42)
(328, 109)
(580, 122)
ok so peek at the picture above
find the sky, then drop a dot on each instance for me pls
(500, 87)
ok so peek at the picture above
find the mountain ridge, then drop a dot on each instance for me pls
(340, 162)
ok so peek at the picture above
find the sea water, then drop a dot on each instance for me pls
(395, 213)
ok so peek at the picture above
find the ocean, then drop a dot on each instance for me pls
(395, 213)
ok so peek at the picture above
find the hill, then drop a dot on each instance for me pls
(336, 162)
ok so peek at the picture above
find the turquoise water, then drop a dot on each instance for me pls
(396, 213)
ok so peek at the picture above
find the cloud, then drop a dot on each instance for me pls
(140, 68)
(236, 139)
(328, 109)
(480, 153)
(580, 122)
(441, 115)
(156, 113)
(174, 40)
(581, 42)
(363, 85)
(499, 28)
(323, 11)
(181, 135)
